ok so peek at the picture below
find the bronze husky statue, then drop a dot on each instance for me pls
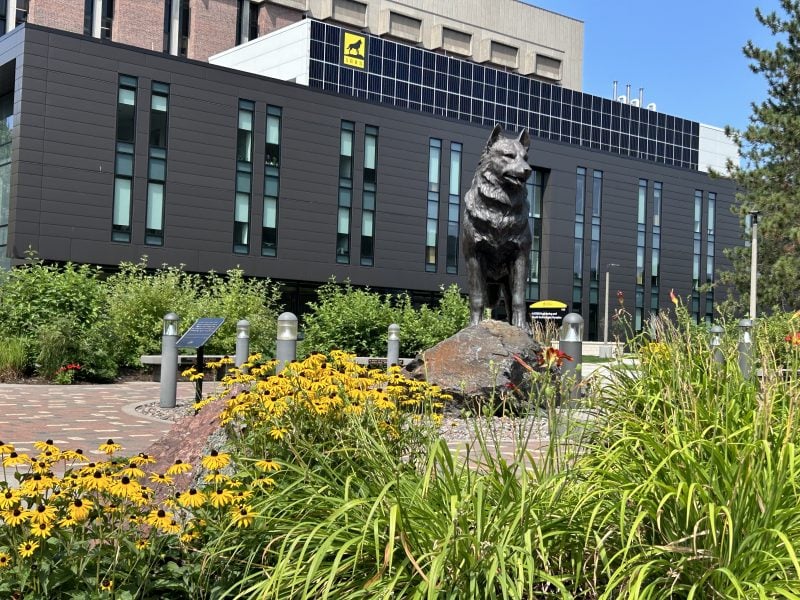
(496, 235)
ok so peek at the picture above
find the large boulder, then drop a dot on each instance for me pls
(477, 366)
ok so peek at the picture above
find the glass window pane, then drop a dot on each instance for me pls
(270, 212)
(430, 238)
(155, 206)
(124, 164)
(433, 168)
(370, 150)
(455, 172)
(245, 120)
(271, 186)
(157, 169)
(158, 103)
(242, 208)
(122, 202)
(366, 223)
(273, 129)
(344, 221)
(346, 148)
(127, 96)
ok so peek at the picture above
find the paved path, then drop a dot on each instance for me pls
(82, 416)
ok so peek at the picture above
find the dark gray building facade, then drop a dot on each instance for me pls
(112, 152)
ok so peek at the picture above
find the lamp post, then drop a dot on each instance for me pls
(571, 343)
(286, 346)
(716, 343)
(606, 352)
(753, 261)
(169, 361)
(242, 342)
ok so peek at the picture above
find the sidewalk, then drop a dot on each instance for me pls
(82, 416)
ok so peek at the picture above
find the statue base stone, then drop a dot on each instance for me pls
(477, 366)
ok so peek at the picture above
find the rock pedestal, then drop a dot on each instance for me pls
(477, 365)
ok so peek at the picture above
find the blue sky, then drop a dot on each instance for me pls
(686, 55)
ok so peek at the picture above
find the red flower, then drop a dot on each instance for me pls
(793, 339)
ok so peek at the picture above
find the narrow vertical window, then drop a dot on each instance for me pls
(711, 207)
(123, 163)
(641, 235)
(22, 12)
(88, 15)
(244, 177)
(272, 166)
(157, 165)
(368, 197)
(98, 24)
(655, 258)
(594, 256)
(6, 124)
(535, 194)
(3, 14)
(453, 208)
(697, 249)
(183, 28)
(246, 21)
(432, 222)
(346, 138)
(577, 257)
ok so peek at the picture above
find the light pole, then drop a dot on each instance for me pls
(753, 261)
(605, 320)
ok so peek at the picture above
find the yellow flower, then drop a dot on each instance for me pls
(27, 549)
(106, 585)
(14, 516)
(243, 516)
(8, 499)
(160, 478)
(74, 455)
(268, 465)
(109, 447)
(142, 544)
(179, 467)
(5, 560)
(171, 527)
(6, 448)
(132, 472)
(42, 514)
(95, 481)
(41, 530)
(142, 459)
(220, 497)
(125, 487)
(278, 433)
(14, 459)
(45, 446)
(79, 509)
(216, 460)
(216, 477)
(67, 522)
(192, 499)
(159, 518)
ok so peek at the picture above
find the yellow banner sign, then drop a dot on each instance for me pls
(354, 50)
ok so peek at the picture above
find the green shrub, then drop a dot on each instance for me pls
(13, 357)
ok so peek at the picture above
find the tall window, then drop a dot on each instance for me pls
(368, 196)
(157, 165)
(244, 178)
(246, 21)
(432, 223)
(272, 166)
(535, 194)
(711, 208)
(3, 18)
(22, 11)
(98, 25)
(641, 235)
(176, 40)
(6, 124)
(655, 267)
(577, 257)
(594, 255)
(453, 208)
(346, 138)
(123, 163)
(697, 249)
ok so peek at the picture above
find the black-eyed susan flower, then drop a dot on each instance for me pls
(161, 478)
(79, 509)
(27, 549)
(216, 477)
(15, 459)
(45, 446)
(142, 544)
(67, 522)
(9, 498)
(6, 448)
(109, 447)
(42, 514)
(74, 456)
(242, 515)
(216, 460)
(159, 518)
(142, 459)
(179, 467)
(278, 433)
(125, 487)
(14, 516)
(106, 585)
(192, 499)
(97, 480)
(267, 465)
(220, 497)
(132, 472)
(5, 560)
(41, 530)
(171, 528)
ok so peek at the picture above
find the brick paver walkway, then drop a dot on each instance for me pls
(82, 416)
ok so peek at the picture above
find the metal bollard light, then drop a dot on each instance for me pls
(716, 342)
(169, 361)
(242, 342)
(745, 348)
(571, 343)
(393, 346)
(286, 346)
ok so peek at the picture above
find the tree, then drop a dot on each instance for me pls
(768, 175)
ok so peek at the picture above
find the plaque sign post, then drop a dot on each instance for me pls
(196, 337)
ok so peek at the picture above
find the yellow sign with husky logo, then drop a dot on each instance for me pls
(354, 50)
